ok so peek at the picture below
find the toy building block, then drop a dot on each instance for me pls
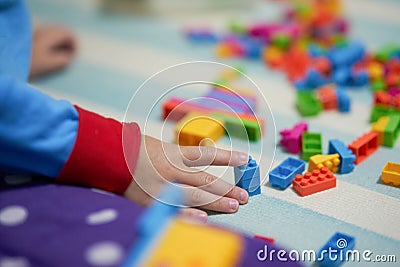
(330, 254)
(243, 127)
(327, 95)
(364, 146)
(291, 138)
(380, 111)
(329, 161)
(313, 182)
(201, 35)
(391, 132)
(196, 129)
(308, 104)
(232, 100)
(247, 177)
(344, 101)
(346, 157)
(311, 145)
(379, 127)
(283, 175)
(391, 173)
(175, 109)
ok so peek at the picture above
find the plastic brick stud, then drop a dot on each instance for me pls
(283, 175)
(320, 161)
(313, 182)
(347, 157)
(311, 145)
(364, 146)
(391, 173)
(330, 254)
(291, 138)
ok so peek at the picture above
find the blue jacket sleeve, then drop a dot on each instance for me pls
(37, 132)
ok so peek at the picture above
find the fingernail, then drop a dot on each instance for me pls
(233, 204)
(243, 196)
(243, 157)
(202, 217)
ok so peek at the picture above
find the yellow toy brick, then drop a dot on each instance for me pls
(319, 161)
(379, 127)
(391, 173)
(198, 129)
(185, 244)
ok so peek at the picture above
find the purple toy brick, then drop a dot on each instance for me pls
(291, 138)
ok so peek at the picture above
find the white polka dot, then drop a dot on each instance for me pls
(102, 216)
(102, 192)
(14, 262)
(104, 254)
(13, 215)
(17, 179)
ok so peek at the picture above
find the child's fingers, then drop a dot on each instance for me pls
(194, 214)
(196, 197)
(208, 155)
(212, 184)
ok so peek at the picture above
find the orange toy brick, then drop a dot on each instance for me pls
(314, 182)
(364, 146)
(391, 173)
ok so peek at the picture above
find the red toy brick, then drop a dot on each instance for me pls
(364, 146)
(383, 98)
(327, 95)
(314, 182)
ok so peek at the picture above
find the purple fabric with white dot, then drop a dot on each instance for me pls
(44, 224)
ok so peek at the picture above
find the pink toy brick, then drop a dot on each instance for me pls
(291, 138)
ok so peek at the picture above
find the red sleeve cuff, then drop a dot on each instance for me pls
(97, 159)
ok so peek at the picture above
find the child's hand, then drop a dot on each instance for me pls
(53, 49)
(159, 161)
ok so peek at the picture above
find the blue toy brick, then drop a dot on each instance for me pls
(314, 79)
(342, 76)
(201, 36)
(247, 183)
(333, 253)
(283, 175)
(360, 78)
(347, 157)
(344, 101)
(247, 171)
(254, 191)
(346, 55)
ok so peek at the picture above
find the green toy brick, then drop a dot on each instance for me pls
(386, 52)
(311, 145)
(378, 85)
(308, 104)
(380, 111)
(391, 132)
(234, 127)
(281, 40)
